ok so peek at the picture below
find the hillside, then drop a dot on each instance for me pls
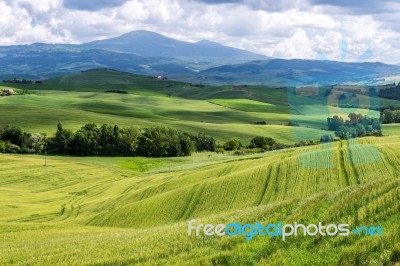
(81, 209)
(134, 210)
(88, 97)
(207, 62)
(151, 44)
(139, 51)
(114, 97)
(296, 72)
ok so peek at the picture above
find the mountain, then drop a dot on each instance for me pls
(149, 53)
(281, 72)
(151, 44)
(141, 52)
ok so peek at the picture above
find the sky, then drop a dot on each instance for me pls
(283, 29)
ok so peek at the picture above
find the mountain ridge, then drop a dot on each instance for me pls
(150, 53)
(150, 44)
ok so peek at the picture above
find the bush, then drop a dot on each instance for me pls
(248, 151)
(25, 150)
(262, 142)
(11, 148)
(326, 138)
(2, 147)
(220, 150)
(232, 144)
(204, 142)
(15, 136)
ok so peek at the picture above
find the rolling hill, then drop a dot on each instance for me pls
(150, 53)
(101, 211)
(88, 97)
(297, 72)
(96, 96)
(134, 210)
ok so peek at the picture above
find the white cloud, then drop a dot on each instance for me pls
(287, 29)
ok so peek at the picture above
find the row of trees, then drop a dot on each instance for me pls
(107, 140)
(110, 140)
(356, 125)
(391, 92)
(390, 116)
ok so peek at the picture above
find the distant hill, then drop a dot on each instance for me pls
(151, 44)
(298, 72)
(205, 62)
(141, 52)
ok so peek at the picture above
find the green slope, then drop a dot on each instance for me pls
(49, 212)
(40, 111)
(107, 80)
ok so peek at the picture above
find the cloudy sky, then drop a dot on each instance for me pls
(284, 29)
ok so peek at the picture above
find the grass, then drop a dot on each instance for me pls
(40, 112)
(391, 129)
(219, 111)
(135, 210)
(121, 211)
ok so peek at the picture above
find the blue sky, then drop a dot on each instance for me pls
(285, 29)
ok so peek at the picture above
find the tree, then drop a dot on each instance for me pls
(342, 132)
(186, 143)
(376, 125)
(60, 143)
(360, 130)
(205, 143)
(15, 136)
(80, 144)
(37, 142)
(155, 143)
(388, 116)
(335, 122)
(128, 141)
(354, 118)
(232, 144)
(262, 142)
(326, 138)
(106, 139)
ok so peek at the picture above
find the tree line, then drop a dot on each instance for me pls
(390, 116)
(356, 125)
(111, 140)
(392, 92)
(106, 140)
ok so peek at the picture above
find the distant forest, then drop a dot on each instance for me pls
(391, 92)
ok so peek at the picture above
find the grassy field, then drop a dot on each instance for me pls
(135, 210)
(40, 111)
(123, 210)
(223, 112)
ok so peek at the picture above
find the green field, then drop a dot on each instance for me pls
(223, 112)
(134, 210)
